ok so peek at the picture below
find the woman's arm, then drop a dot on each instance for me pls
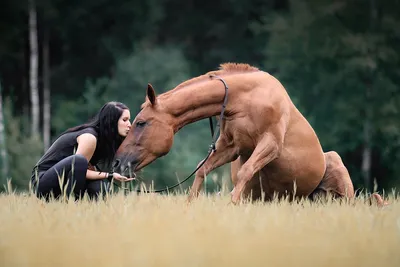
(86, 147)
(94, 175)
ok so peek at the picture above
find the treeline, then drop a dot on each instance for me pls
(61, 60)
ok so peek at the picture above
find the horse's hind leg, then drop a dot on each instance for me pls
(336, 180)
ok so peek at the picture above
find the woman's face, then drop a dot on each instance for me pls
(124, 124)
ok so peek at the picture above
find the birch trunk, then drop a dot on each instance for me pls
(34, 63)
(46, 92)
(3, 148)
(368, 130)
(366, 156)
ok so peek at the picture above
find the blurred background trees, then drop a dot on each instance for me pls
(339, 60)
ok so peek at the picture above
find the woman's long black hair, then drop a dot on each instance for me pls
(105, 123)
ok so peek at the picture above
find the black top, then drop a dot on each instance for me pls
(63, 147)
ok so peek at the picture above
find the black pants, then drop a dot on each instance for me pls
(73, 168)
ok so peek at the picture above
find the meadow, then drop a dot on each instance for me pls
(162, 230)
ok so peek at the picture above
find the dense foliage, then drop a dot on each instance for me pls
(339, 61)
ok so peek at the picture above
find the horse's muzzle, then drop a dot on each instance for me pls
(125, 166)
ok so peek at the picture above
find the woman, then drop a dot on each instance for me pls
(71, 155)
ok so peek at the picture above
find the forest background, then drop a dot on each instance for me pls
(60, 61)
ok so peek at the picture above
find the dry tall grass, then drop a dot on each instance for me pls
(154, 230)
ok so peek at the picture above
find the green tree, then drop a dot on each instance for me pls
(23, 149)
(339, 75)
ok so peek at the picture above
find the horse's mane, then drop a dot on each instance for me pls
(224, 68)
(235, 67)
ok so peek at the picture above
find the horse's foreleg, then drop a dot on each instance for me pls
(266, 151)
(224, 153)
(235, 166)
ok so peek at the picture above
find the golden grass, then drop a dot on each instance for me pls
(154, 230)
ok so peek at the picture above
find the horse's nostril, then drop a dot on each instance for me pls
(116, 163)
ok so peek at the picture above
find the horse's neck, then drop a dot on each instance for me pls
(195, 102)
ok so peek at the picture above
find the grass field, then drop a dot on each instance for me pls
(155, 230)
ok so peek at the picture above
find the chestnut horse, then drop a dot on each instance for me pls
(272, 147)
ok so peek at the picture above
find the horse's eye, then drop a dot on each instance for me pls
(140, 123)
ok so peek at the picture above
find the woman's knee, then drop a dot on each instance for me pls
(80, 159)
(79, 162)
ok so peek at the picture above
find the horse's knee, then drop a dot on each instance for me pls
(336, 179)
(332, 158)
(245, 174)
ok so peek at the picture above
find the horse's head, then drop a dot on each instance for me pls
(151, 136)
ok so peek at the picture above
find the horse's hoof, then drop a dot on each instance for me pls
(231, 203)
(379, 200)
(235, 200)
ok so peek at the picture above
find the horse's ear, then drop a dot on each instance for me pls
(151, 94)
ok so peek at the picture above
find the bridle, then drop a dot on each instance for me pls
(212, 148)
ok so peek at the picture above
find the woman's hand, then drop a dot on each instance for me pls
(121, 178)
